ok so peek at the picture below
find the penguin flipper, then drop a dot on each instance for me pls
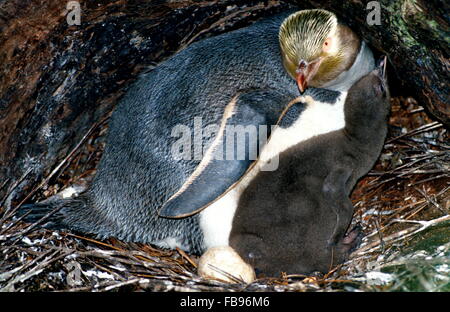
(247, 118)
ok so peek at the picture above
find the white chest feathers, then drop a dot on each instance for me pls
(317, 118)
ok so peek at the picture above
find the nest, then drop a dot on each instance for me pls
(405, 193)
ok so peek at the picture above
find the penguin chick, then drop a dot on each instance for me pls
(294, 219)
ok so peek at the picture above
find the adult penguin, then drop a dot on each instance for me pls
(245, 77)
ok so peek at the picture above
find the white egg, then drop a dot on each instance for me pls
(220, 262)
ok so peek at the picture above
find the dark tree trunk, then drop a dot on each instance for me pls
(57, 80)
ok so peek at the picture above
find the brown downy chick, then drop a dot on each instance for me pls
(294, 219)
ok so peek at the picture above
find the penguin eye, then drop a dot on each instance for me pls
(326, 47)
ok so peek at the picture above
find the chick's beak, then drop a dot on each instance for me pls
(305, 72)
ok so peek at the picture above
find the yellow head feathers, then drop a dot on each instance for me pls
(304, 32)
(315, 48)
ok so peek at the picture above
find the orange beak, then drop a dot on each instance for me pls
(305, 72)
(301, 82)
